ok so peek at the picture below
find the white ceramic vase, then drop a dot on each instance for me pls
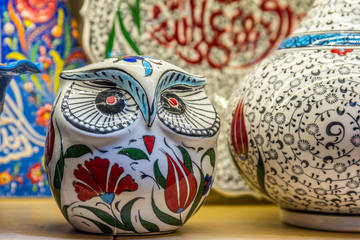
(295, 127)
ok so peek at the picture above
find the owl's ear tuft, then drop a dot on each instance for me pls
(174, 77)
(70, 75)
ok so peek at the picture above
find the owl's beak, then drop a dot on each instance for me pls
(151, 117)
(149, 143)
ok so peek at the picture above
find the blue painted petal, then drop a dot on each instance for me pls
(8, 70)
(137, 57)
(20, 67)
(107, 197)
(150, 57)
(148, 68)
(127, 59)
(352, 104)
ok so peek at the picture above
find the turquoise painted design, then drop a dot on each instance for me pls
(9, 70)
(133, 86)
(20, 67)
(148, 68)
(328, 39)
(44, 33)
(120, 78)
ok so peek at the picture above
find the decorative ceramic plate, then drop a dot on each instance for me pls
(217, 39)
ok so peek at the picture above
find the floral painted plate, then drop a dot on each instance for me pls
(218, 39)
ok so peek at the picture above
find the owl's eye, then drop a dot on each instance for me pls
(99, 107)
(172, 103)
(188, 111)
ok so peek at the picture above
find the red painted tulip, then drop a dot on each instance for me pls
(238, 131)
(49, 143)
(180, 187)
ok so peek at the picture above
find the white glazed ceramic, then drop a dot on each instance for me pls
(215, 37)
(295, 129)
(131, 146)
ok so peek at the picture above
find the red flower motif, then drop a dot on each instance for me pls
(180, 187)
(35, 174)
(46, 61)
(342, 52)
(43, 115)
(5, 178)
(95, 180)
(37, 11)
(49, 142)
(239, 138)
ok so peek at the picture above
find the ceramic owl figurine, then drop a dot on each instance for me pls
(131, 146)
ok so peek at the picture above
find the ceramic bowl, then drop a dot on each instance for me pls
(131, 146)
(294, 130)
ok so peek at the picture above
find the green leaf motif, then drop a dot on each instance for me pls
(107, 218)
(103, 228)
(58, 175)
(56, 194)
(197, 197)
(135, 12)
(246, 178)
(68, 38)
(166, 218)
(77, 150)
(186, 158)
(151, 227)
(59, 172)
(161, 180)
(64, 212)
(134, 153)
(34, 50)
(211, 153)
(126, 34)
(261, 175)
(110, 43)
(126, 214)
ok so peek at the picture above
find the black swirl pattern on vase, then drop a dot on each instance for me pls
(307, 131)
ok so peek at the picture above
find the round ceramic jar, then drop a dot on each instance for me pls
(131, 146)
(295, 128)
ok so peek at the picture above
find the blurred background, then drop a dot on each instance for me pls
(230, 37)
